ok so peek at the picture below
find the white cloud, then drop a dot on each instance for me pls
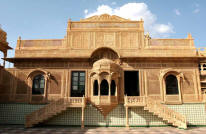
(196, 10)
(163, 29)
(86, 11)
(113, 3)
(136, 11)
(177, 12)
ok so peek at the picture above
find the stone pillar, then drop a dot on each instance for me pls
(116, 88)
(109, 98)
(45, 88)
(179, 87)
(92, 87)
(82, 121)
(5, 55)
(127, 120)
(99, 82)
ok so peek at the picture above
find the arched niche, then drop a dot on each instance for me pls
(171, 84)
(172, 78)
(104, 87)
(40, 76)
(104, 53)
(95, 88)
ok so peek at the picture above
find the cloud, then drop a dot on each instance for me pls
(136, 11)
(86, 11)
(177, 12)
(163, 29)
(113, 3)
(196, 10)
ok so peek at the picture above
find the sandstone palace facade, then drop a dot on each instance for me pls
(105, 72)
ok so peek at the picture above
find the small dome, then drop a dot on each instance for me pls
(104, 62)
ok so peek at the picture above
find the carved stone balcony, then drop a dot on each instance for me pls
(131, 101)
(104, 100)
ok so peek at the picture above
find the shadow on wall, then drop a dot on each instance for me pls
(14, 87)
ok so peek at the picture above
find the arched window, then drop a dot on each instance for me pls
(95, 88)
(171, 85)
(113, 87)
(38, 85)
(104, 87)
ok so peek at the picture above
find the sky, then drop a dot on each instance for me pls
(47, 19)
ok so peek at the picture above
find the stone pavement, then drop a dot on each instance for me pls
(18, 129)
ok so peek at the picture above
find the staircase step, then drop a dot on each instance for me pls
(155, 111)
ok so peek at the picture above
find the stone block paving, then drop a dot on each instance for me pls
(18, 129)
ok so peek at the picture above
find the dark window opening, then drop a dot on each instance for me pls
(204, 66)
(78, 84)
(131, 83)
(95, 88)
(113, 88)
(38, 85)
(104, 87)
(171, 85)
(199, 67)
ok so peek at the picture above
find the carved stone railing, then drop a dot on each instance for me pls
(155, 107)
(104, 100)
(134, 100)
(52, 109)
(166, 113)
(201, 51)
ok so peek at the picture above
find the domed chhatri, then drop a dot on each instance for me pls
(104, 62)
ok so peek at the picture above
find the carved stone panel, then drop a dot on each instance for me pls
(81, 40)
(109, 39)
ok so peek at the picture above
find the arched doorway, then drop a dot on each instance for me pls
(171, 85)
(104, 87)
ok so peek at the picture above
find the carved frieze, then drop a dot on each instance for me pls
(81, 40)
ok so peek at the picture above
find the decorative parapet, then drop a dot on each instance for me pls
(201, 52)
(36, 44)
(187, 43)
(104, 21)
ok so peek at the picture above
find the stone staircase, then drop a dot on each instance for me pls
(170, 116)
(52, 109)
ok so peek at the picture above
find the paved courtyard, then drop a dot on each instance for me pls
(18, 129)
